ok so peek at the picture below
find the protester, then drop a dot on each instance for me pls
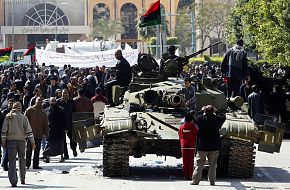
(38, 120)
(83, 104)
(276, 103)
(5, 150)
(15, 129)
(69, 108)
(187, 135)
(52, 87)
(235, 68)
(209, 122)
(255, 102)
(123, 75)
(189, 93)
(57, 127)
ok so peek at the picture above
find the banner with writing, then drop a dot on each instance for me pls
(106, 58)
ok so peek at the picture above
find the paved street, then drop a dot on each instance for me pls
(151, 172)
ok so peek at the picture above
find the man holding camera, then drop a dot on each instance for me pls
(209, 122)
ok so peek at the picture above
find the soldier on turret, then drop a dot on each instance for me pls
(171, 65)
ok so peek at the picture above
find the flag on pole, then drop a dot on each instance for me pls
(152, 16)
(5, 51)
(30, 51)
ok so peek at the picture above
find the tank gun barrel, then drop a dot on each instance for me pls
(202, 50)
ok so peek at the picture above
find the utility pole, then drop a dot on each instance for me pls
(170, 20)
(13, 32)
(192, 31)
(158, 41)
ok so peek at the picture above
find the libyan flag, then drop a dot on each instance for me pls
(5, 51)
(30, 51)
(152, 16)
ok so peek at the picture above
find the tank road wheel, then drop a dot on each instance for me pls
(237, 158)
(116, 155)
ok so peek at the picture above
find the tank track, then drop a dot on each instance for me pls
(237, 158)
(116, 155)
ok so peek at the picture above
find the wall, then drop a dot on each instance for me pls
(138, 3)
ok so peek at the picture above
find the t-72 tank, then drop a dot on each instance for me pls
(148, 121)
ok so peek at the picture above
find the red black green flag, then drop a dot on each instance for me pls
(152, 16)
(5, 51)
(30, 51)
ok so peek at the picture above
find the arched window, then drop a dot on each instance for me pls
(129, 21)
(45, 14)
(101, 11)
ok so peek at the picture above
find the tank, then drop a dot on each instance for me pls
(148, 119)
(150, 113)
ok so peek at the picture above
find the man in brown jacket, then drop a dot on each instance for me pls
(83, 104)
(39, 124)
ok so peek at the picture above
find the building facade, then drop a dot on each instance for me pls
(128, 11)
(26, 23)
(33, 22)
(1, 23)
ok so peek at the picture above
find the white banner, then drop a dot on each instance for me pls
(106, 58)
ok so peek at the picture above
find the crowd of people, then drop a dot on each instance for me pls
(41, 100)
(201, 132)
(37, 102)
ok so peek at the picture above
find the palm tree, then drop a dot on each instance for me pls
(106, 29)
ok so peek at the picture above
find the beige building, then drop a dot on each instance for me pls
(128, 11)
(28, 23)
(1, 23)
(35, 22)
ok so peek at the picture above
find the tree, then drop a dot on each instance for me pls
(146, 33)
(106, 29)
(211, 18)
(210, 21)
(265, 26)
(183, 28)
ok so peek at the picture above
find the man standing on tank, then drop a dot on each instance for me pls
(209, 122)
(123, 75)
(189, 93)
(235, 68)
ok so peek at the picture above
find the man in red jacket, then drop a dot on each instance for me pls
(187, 135)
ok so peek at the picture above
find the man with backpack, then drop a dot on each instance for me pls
(235, 68)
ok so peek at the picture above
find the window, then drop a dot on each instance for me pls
(45, 14)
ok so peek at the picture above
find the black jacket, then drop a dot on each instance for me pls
(57, 123)
(123, 74)
(235, 64)
(208, 138)
(69, 108)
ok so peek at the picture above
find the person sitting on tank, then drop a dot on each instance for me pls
(189, 92)
(123, 75)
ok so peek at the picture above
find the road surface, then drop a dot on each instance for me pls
(272, 171)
